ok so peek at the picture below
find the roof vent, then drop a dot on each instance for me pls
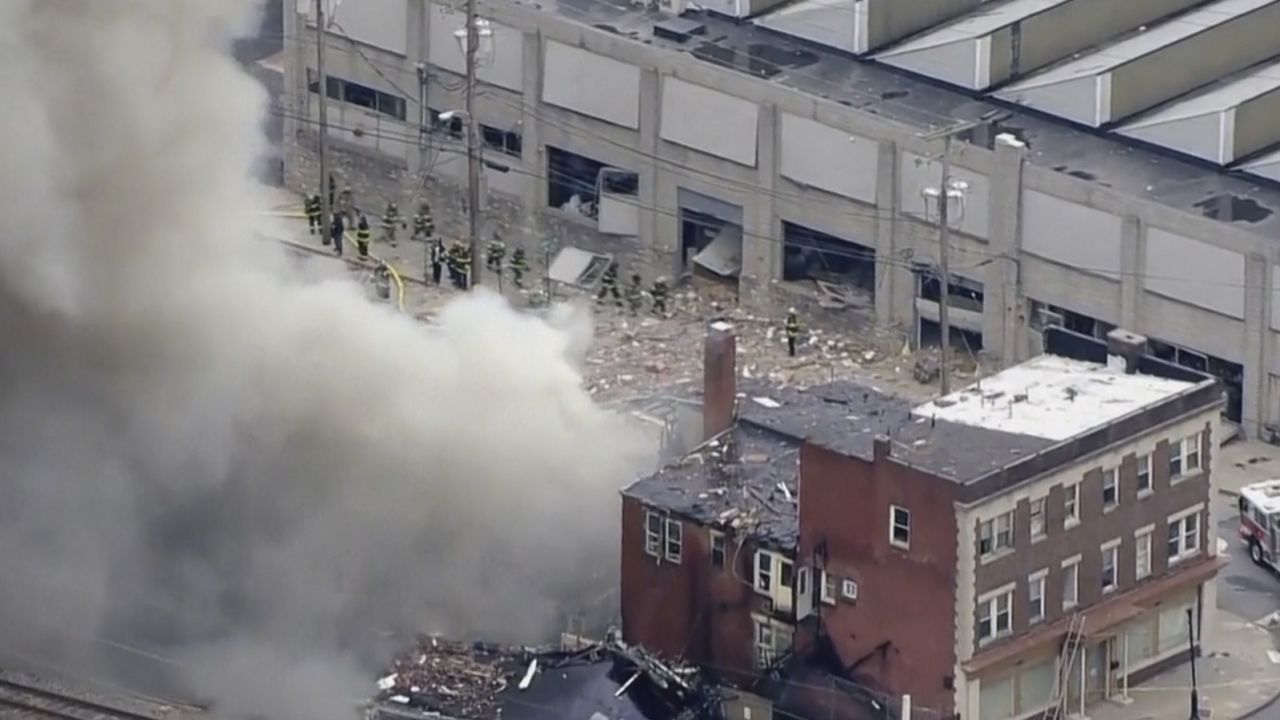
(678, 29)
(1128, 346)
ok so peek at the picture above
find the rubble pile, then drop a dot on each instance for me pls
(455, 679)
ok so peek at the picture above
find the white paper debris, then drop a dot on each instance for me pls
(388, 682)
(767, 402)
(528, 675)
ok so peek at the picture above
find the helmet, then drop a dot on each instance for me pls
(635, 278)
(792, 311)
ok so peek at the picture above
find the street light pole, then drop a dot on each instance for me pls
(1191, 642)
(326, 208)
(473, 157)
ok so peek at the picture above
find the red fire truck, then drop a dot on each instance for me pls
(1260, 522)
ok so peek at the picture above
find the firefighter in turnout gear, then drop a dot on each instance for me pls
(494, 254)
(793, 331)
(313, 209)
(336, 230)
(519, 266)
(390, 219)
(635, 295)
(464, 265)
(437, 256)
(424, 226)
(454, 260)
(363, 236)
(659, 295)
(609, 285)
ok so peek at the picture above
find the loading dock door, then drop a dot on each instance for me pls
(710, 233)
(618, 209)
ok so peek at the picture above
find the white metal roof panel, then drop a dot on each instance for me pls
(1138, 44)
(1267, 166)
(839, 24)
(1202, 123)
(988, 19)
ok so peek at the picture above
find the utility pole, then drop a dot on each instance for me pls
(326, 208)
(1191, 650)
(473, 157)
(944, 234)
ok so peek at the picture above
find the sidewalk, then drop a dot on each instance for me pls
(1239, 679)
(1244, 462)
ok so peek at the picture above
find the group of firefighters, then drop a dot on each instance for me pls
(457, 257)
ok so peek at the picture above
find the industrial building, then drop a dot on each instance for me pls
(1124, 173)
(1040, 540)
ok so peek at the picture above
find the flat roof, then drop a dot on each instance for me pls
(1052, 397)
(1108, 161)
(1265, 495)
(1134, 45)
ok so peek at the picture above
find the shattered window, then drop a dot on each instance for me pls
(653, 534)
(675, 533)
(717, 549)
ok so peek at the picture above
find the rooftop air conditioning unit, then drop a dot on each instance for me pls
(674, 8)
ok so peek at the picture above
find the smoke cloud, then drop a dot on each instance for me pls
(256, 474)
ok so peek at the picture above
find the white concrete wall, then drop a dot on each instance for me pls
(1073, 235)
(1194, 272)
(505, 66)
(829, 159)
(591, 84)
(703, 119)
(380, 23)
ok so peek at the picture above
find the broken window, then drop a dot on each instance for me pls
(1045, 315)
(652, 533)
(451, 127)
(1231, 374)
(571, 181)
(965, 298)
(717, 549)
(504, 141)
(764, 572)
(360, 95)
(809, 254)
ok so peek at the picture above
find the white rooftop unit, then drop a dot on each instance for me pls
(1266, 166)
(860, 26)
(1149, 67)
(1007, 39)
(1228, 120)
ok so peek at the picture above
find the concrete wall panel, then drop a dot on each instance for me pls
(1191, 327)
(823, 157)
(710, 121)
(1054, 284)
(917, 172)
(380, 23)
(889, 20)
(1255, 125)
(591, 84)
(1194, 272)
(444, 51)
(1071, 234)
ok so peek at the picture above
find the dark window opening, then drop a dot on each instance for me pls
(963, 293)
(571, 181)
(357, 94)
(451, 127)
(1231, 374)
(365, 97)
(621, 182)
(1044, 315)
(392, 106)
(697, 230)
(964, 343)
(504, 141)
(814, 255)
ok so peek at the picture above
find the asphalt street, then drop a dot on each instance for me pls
(1246, 589)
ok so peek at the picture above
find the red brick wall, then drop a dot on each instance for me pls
(905, 597)
(692, 610)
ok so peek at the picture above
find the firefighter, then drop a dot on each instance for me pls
(453, 260)
(793, 331)
(363, 235)
(313, 209)
(464, 265)
(519, 266)
(437, 256)
(659, 295)
(609, 285)
(390, 218)
(346, 204)
(494, 254)
(635, 295)
(382, 281)
(424, 226)
(336, 229)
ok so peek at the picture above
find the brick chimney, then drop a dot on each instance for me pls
(719, 379)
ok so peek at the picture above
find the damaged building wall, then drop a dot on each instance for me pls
(902, 624)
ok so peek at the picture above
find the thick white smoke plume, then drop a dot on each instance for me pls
(200, 452)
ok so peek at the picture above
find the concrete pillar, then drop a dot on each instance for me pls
(1003, 325)
(1258, 277)
(533, 155)
(761, 241)
(1133, 243)
(295, 87)
(655, 228)
(895, 284)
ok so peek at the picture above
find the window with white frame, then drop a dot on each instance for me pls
(995, 615)
(675, 540)
(828, 588)
(1110, 565)
(764, 572)
(1184, 457)
(996, 534)
(719, 551)
(1035, 596)
(1070, 583)
(899, 526)
(1184, 535)
(772, 641)
(1142, 554)
(1110, 488)
(1070, 504)
(849, 589)
(1038, 507)
(653, 534)
(1143, 478)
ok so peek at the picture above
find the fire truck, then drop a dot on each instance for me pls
(1260, 522)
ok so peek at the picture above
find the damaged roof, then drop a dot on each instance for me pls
(744, 480)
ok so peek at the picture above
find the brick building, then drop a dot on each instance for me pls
(1035, 540)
